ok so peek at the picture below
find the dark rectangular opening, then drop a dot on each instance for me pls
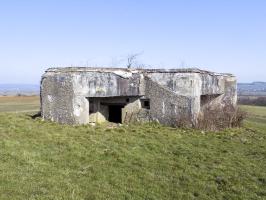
(92, 107)
(115, 113)
(145, 103)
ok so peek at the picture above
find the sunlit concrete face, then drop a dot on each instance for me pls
(95, 95)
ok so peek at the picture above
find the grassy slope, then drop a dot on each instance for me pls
(44, 160)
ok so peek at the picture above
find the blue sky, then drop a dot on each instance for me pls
(217, 35)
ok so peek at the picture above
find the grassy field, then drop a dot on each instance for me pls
(44, 160)
(255, 113)
(19, 103)
(256, 117)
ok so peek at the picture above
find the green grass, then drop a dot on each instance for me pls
(255, 110)
(19, 104)
(44, 160)
(256, 117)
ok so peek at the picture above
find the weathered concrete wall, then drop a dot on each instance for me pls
(131, 110)
(226, 95)
(64, 95)
(99, 84)
(193, 85)
(100, 113)
(211, 84)
(182, 84)
(57, 98)
(230, 91)
(166, 106)
(185, 84)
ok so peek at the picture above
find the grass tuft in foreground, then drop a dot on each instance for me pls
(44, 160)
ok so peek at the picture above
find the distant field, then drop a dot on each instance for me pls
(256, 115)
(250, 96)
(19, 103)
(44, 160)
(255, 111)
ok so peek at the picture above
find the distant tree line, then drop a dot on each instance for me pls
(252, 100)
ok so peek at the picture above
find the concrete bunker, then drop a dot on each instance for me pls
(94, 95)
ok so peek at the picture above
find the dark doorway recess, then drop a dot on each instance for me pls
(115, 113)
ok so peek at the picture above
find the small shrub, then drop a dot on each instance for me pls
(239, 117)
(219, 118)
